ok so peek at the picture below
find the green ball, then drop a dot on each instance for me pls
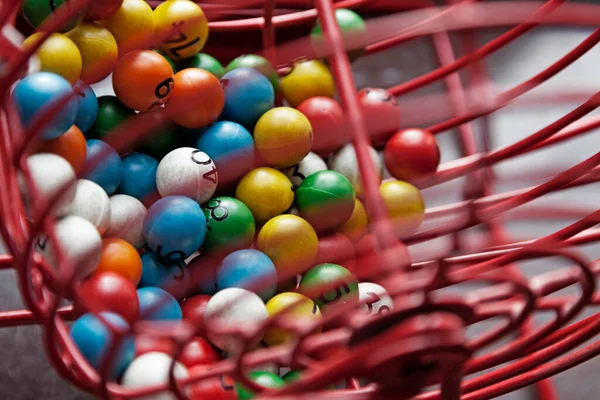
(325, 199)
(353, 29)
(111, 113)
(36, 12)
(230, 225)
(314, 285)
(160, 141)
(205, 62)
(257, 62)
(294, 375)
(169, 60)
(268, 380)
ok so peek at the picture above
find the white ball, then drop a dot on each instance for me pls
(127, 219)
(346, 163)
(78, 240)
(232, 308)
(309, 165)
(152, 369)
(374, 298)
(91, 202)
(187, 172)
(50, 173)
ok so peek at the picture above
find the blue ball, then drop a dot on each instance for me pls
(248, 95)
(162, 274)
(88, 108)
(94, 339)
(139, 176)
(39, 90)
(248, 269)
(158, 305)
(107, 172)
(175, 227)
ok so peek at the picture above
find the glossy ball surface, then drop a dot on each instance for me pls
(309, 165)
(98, 48)
(88, 108)
(356, 227)
(192, 32)
(267, 380)
(158, 305)
(91, 202)
(248, 95)
(107, 170)
(198, 351)
(101, 9)
(132, 26)
(111, 114)
(248, 269)
(164, 274)
(307, 79)
(205, 62)
(120, 257)
(267, 193)
(139, 176)
(336, 248)
(230, 225)
(317, 284)
(404, 205)
(193, 309)
(58, 54)
(151, 369)
(259, 63)
(216, 388)
(374, 298)
(345, 162)
(126, 219)
(330, 127)
(381, 112)
(411, 154)
(71, 146)
(294, 306)
(353, 29)
(36, 12)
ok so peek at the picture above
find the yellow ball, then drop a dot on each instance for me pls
(58, 54)
(98, 48)
(307, 79)
(190, 24)
(132, 26)
(404, 205)
(283, 136)
(267, 193)
(356, 227)
(290, 242)
(305, 311)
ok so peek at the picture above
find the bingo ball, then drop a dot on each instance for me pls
(109, 291)
(120, 257)
(306, 79)
(193, 309)
(164, 274)
(191, 28)
(346, 163)
(36, 12)
(230, 146)
(143, 79)
(162, 138)
(187, 172)
(330, 129)
(111, 114)
(174, 227)
(151, 369)
(283, 136)
(337, 249)
(381, 112)
(325, 199)
(248, 95)
(265, 379)
(294, 306)
(356, 227)
(58, 54)
(331, 286)
(88, 108)
(94, 339)
(169, 60)
(71, 146)
(103, 165)
(232, 308)
(267, 193)
(98, 10)
(126, 219)
(37, 93)
(248, 269)
(131, 25)
(139, 176)
(404, 205)
(259, 63)
(290, 242)
(309, 165)
(354, 34)
(198, 351)
(230, 225)
(411, 154)
(91, 202)
(374, 299)
(291, 376)
(217, 388)
(205, 62)
(98, 48)
(197, 99)
(158, 305)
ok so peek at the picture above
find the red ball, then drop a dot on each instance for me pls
(381, 112)
(337, 249)
(109, 291)
(217, 388)
(411, 154)
(198, 352)
(370, 256)
(193, 311)
(101, 9)
(328, 122)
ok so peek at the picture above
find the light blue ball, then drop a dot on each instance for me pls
(107, 172)
(35, 92)
(158, 305)
(170, 276)
(248, 269)
(248, 95)
(94, 339)
(88, 108)
(139, 176)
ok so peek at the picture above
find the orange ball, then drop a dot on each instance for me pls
(197, 99)
(70, 145)
(120, 257)
(143, 80)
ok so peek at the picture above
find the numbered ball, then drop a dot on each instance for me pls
(158, 305)
(325, 199)
(307, 79)
(193, 309)
(404, 205)
(191, 33)
(218, 388)
(139, 176)
(152, 369)
(248, 95)
(170, 276)
(111, 114)
(259, 63)
(205, 62)
(91, 202)
(267, 380)
(120, 257)
(267, 193)
(98, 48)
(329, 124)
(36, 12)
(412, 154)
(346, 163)
(309, 165)
(101, 9)
(293, 306)
(374, 298)
(248, 269)
(71, 146)
(187, 172)
(283, 136)
(103, 165)
(88, 108)
(198, 351)
(132, 26)
(337, 249)
(291, 376)
(356, 227)
(230, 225)
(381, 112)
(58, 54)
(331, 286)
(162, 138)
(354, 34)
(41, 91)
(126, 219)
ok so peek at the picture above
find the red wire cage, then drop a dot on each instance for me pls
(421, 349)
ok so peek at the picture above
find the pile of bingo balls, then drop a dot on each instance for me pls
(234, 212)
